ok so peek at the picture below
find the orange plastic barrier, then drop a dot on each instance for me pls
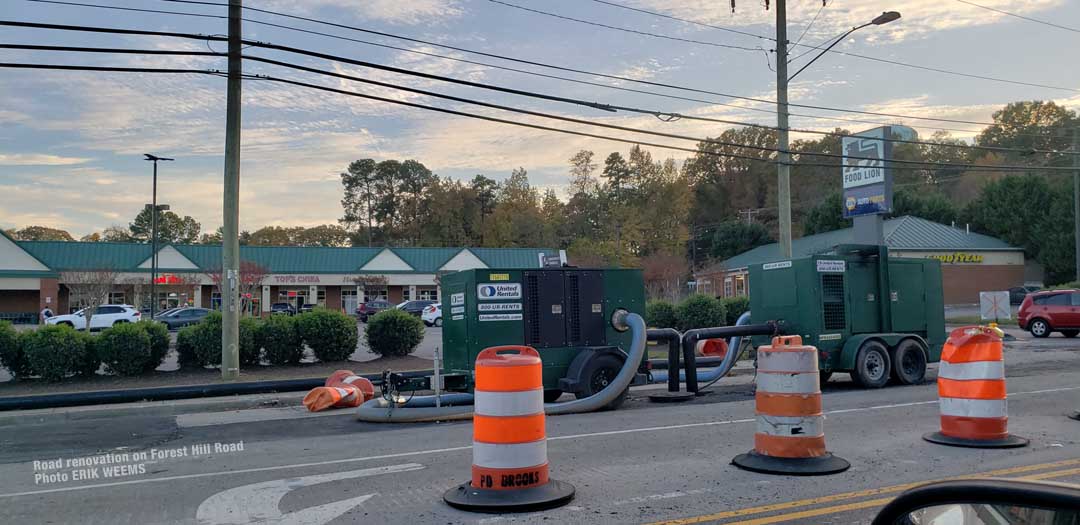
(343, 389)
(510, 471)
(790, 437)
(712, 348)
(971, 391)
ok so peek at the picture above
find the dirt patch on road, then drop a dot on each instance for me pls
(192, 376)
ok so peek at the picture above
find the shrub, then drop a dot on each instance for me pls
(90, 362)
(660, 314)
(206, 340)
(126, 349)
(250, 349)
(331, 335)
(55, 352)
(700, 311)
(734, 307)
(279, 338)
(11, 352)
(185, 346)
(393, 332)
(159, 341)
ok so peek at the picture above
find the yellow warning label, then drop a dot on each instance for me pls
(499, 277)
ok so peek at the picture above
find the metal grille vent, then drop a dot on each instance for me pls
(832, 301)
(574, 305)
(532, 292)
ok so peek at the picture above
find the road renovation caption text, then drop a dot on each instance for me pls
(121, 464)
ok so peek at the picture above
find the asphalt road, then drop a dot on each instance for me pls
(644, 463)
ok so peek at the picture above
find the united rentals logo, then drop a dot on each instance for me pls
(496, 291)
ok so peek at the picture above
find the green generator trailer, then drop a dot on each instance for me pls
(868, 314)
(565, 313)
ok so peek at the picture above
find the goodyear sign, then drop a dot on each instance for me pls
(958, 258)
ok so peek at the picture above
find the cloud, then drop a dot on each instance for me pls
(37, 159)
(404, 12)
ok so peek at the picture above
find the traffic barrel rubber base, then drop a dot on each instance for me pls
(1009, 441)
(818, 466)
(671, 397)
(547, 496)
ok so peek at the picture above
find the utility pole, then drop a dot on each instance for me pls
(230, 239)
(783, 158)
(1076, 198)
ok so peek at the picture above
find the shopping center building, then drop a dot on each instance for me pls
(970, 262)
(33, 274)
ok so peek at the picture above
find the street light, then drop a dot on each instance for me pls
(153, 233)
(783, 157)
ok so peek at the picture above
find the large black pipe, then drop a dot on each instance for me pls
(691, 337)
(672, 336)
(105, 397)
(702, 362)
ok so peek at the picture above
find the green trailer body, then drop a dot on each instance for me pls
(839, 301)
(562, 312)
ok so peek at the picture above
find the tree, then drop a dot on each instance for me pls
(484, 189)
(359, 184)
(116, 233)
(733, 237)
(89, 289)
(171, 228)
(91, 237)
(322, 235)
(663, 275)
(827, 216)
(41, 233)
(1031, 125)
(929, 205)
(581, 172)
(616, 172)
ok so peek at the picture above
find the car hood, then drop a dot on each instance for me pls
(65, 317)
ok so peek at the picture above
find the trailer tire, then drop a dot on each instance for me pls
(872, 365)
(598, 372)
(908, 362)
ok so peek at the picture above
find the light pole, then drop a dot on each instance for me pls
(783, 157)
(153, 233)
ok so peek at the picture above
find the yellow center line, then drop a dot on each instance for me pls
(856, 494)
(1057, 474)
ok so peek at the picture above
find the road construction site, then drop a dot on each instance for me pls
(264, 458)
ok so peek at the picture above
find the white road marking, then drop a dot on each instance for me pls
(469, 447)
(260, 502)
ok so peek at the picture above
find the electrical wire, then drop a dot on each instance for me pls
(811, 24)
(846, 53)
(135, 9)
(115, 50)
(585, 72)
(66, 67)
(661, 15)
(1022, 17)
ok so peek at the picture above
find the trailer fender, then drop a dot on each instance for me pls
(572, 382)
(890, 340)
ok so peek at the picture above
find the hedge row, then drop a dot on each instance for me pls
(56, 352)
(280, 339)
(696, 311)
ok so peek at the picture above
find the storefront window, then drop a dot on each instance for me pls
(374, 294)
(116, 298)
(405, 296)
(320, 298)
(427, 294)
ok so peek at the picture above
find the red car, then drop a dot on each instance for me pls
(1051, 311)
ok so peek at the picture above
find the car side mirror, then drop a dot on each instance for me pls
(984, 501)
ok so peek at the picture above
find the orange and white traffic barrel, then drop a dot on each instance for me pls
(971, 391)
(790, 437)
(510, 465)
(343, 389)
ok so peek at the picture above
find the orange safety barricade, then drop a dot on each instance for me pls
(790, 437)
(343, 389)
(510, 465)
(971, 391)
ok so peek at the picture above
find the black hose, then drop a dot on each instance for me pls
(691, 337)
(672, 336)
(106, 397)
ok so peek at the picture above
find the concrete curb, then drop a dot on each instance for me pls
(153, 408)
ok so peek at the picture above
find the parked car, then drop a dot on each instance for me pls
(307, 307)
(104, 316)
(1051, 311)
(162, 313)
(370, 308)
(415, 307)
(181, 317)
(1018, 293)
(432, 315)
(282, 308)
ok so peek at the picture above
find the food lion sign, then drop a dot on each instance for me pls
(867, 179)
(498, 291)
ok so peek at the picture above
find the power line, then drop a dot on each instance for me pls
(1022, 17)
(811, 24)
(135, 9)
(661, 15)
(115, 69)
(115, 50)
(608, 107)
(584, 72)
(846, 53)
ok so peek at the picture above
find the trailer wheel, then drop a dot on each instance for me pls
(909, 362)
(872, 365)
(598, 373)
(551, 396)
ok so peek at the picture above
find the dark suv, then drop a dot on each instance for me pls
(370, 308)
(1052, 311)
(282, 309)
(415, 307)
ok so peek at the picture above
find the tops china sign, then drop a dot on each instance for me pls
(295, 279)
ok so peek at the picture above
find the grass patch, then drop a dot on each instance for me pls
(974, 319)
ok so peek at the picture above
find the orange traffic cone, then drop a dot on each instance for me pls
(971, 391)
(343, 389)
(790, 438)
(510, 465)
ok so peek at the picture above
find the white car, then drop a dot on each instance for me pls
(104, 316)
(432, 315)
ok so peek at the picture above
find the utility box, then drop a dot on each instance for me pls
(565, 313)
(854, 305)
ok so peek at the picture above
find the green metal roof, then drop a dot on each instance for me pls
(63, 256)
(901, 233)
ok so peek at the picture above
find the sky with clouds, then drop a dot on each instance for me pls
(71, 143)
